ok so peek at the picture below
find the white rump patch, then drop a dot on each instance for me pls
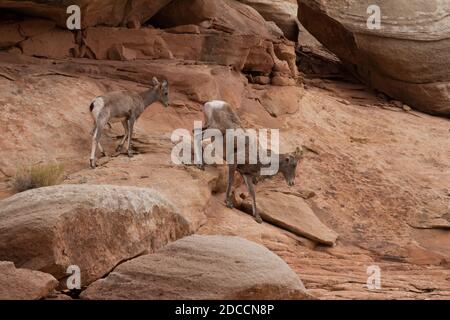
(210, 106)
(215, 104)
(99, 103)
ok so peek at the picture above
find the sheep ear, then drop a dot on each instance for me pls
(155, 81)
(298, 152)
(165, 84)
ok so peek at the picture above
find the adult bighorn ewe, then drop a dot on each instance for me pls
(125, 106)
(219, 115)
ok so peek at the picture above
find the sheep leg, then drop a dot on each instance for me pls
(231, 170)
(93, 148)
(198, 138)
(96, 140)
(251, 190)
(122, 142)
(104, 154)
(130, 135)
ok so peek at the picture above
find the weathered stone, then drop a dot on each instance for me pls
(281, 101)
(97, 12)
(23, 284)
(10, 35)
(294, 214)
(93, 227)
(282, 12)
(280, 80)
(396, 58)
(225, 15)
(202, 267)
(38, 45)
(33, 27)
(126, 44)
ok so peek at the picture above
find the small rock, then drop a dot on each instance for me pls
(15, 50)
(188, 29)
(261, 80)
(346, 102)
(382, 96)
(307, 194)
(134, 24)
(283, 81)
(24, 284)
(406, 108)
(397, 104)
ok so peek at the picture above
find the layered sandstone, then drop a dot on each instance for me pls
(404, 59)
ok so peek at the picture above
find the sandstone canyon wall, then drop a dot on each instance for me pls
(372, 188)
(406, 58)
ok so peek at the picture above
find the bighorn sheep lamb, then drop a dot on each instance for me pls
(219, 115)
(124, 106)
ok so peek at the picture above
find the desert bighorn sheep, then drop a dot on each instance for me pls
(219, 115)
(124, 106)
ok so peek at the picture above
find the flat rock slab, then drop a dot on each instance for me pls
(92, 226)
(202, 267)
(292, 213)
(23, 284)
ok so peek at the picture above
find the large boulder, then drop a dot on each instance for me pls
(202, 267)
(97, 12)
(282, 12)
(93, 227)
(406, 58)
(23, 284)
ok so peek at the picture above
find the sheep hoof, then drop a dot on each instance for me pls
(92, 163)
(229, 204)
(258, 218)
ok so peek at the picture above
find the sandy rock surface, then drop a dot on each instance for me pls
(202, 267)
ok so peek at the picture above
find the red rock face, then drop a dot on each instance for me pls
(10, 35)
(222, 32)
(282, 12)
(394, 59)
(97, 12)
(372, 188)
(38, 45)
(224, 15)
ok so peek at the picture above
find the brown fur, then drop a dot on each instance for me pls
(225, 118)
(126, 107)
